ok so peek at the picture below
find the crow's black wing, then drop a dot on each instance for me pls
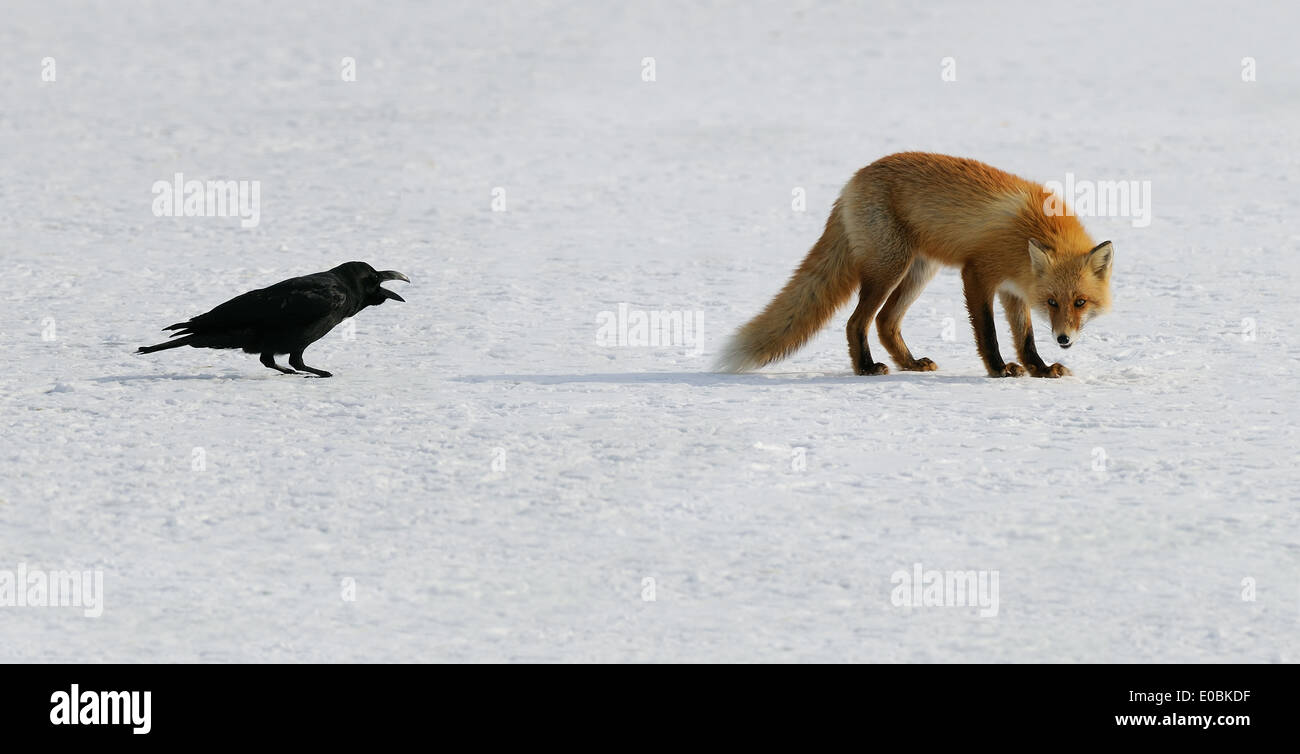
(295, 302)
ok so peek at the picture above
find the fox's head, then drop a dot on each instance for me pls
(1071, 288)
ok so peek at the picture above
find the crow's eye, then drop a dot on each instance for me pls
(1051, 302)
(1078, 303)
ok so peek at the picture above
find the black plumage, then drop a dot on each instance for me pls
(286, 317)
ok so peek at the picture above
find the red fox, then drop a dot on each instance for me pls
(894, 224)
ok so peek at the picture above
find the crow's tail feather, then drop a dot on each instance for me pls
(164, 346)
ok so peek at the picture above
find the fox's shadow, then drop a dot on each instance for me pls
(709, 379)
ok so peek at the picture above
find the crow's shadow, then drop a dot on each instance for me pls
(170, 377)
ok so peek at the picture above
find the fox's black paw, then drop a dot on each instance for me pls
(1009, 370)
(872, 369)
(919, 365)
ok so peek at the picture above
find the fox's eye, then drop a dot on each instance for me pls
(1078, 303)
(1051, 302)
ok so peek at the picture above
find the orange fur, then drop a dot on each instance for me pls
(823, 282)
(895, 223)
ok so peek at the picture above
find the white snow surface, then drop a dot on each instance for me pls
(497, 483)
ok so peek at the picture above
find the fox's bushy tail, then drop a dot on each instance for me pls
(823, 282)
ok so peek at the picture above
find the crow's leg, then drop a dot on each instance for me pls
(268, 359)
(295, 359)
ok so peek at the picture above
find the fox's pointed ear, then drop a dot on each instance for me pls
(1100, 259)
(1038, 256)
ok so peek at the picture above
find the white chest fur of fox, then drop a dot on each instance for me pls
(895, 224)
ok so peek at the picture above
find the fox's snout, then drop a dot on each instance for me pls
(1064, 340)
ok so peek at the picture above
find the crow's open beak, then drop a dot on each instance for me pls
(392, 275)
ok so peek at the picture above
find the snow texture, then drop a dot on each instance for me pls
(488, 478)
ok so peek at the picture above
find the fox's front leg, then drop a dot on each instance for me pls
(979, 303)
(1022, 329)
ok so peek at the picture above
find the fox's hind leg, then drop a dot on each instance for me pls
(878, 281)
(890, 319)
(1022, 329)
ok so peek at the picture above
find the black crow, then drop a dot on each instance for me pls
(286, 317)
